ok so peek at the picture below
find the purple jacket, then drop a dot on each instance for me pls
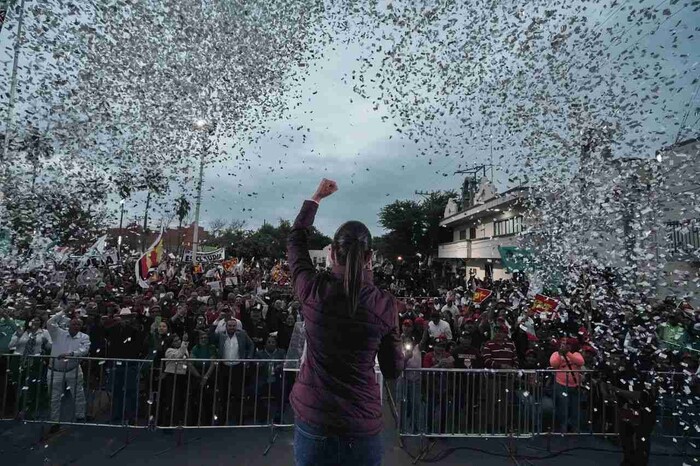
(337, 389)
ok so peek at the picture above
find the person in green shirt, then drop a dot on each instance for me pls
(203, 395)
(8, 327)
(672, 334)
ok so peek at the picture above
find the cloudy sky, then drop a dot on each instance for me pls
(348, 141)
(351, 142)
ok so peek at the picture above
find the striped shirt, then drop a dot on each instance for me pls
(498, 353)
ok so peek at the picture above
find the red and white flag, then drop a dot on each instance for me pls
(149, 261)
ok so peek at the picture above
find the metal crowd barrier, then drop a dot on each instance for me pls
(136, 393)
(218, 393)
(526, 403)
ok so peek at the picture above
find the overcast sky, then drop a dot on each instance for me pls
(348, 141)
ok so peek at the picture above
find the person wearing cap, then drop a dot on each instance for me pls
(439, 328)
(568, 363)
(499, 353)
(126, 340)
(466, 355)
(419, 330)
(451, 307)
(470, 325)
(438, 383)
(439, 357)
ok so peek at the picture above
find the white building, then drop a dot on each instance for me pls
(680, 212)
(487, 221)
(320, 256)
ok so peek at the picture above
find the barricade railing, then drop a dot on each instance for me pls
(526, 403)
(138, 393)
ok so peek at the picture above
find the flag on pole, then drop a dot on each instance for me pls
(229, 264)
(545, 306)
(278, 274)
(95, 251)
(481, 295)
(239, 267)
(149, 261)
(515, 259)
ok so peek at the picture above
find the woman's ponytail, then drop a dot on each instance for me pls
(353, 276)
(351, 244)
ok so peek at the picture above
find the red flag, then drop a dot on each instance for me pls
(545, 306)
(229, 264)
(481, 295)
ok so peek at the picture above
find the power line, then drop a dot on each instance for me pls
(687, 113)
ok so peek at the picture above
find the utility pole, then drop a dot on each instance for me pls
(195, 232)
(13, 85)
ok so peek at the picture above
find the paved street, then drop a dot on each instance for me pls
(92, 446)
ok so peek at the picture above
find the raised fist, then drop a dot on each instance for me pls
(325, 189)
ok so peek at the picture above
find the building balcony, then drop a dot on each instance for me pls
(482, 248)
(455, 250)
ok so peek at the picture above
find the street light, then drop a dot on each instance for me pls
(199, 125)
(121, 232)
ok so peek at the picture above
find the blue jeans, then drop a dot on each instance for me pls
(314, 448)
(125, 392)
(567, 404)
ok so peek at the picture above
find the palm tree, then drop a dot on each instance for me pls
(182, 209)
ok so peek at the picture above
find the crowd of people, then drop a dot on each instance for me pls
(214, 314)
(244, 315)
(614, 364)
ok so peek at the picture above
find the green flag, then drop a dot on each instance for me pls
(515, 259)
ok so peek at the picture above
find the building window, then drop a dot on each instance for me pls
(684, 236)
(462, 234)
(510, 226)
(472, 233)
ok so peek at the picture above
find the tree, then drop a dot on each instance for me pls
(216, 227)
(413, 227)
(405, 222)
(318, 240)
(433, 207)
(65, 206)
(267, 241)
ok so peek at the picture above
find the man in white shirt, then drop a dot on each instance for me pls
(439, 328)
(65, 374)
(451, 307)
(233, 343)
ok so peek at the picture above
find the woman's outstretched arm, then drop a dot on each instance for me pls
(300, 264)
